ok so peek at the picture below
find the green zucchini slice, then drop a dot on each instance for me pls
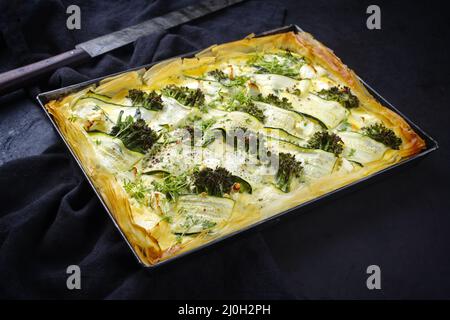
(197, 213)
(331, 113)
(282, 134)
(360, 148)
(316, 163)
(115, 156)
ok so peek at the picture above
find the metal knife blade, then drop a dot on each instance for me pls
(128, 35)
(25, 75)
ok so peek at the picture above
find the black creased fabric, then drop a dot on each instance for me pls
(58, 221)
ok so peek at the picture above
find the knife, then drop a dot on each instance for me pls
(18, 78)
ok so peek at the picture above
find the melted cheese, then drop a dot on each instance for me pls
(173, 225)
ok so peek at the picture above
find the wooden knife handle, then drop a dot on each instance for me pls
(20, 77)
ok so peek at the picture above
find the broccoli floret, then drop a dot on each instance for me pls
(342, 95)
(214, 182)
(135, 134)
(226, 80)
(283, 63)
(244, 103)
(185, 95)
(380, 133)
(219, 75)
(150, 101)
(274, 100)
(288, 169)
(325, 141)
(217, 182)
(253, 110)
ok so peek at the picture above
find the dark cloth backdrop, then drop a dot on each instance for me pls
(50, 218)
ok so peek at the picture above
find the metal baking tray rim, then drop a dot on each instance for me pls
(43, 98)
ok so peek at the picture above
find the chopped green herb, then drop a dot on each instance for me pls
(208, 139)
(179, 238)
(164, 140)
(167, 219)
(225, 80)
(285, 64)
(172, 185)
(344, 126)
(242, 102)
(185, 95)
(352, 152)
(206, 224)
(202, 129)
(295, 91)
(253, 110)
(342, 95)
(219, 75)
(325, 141)
(136, 189)
(73, 118)
(274, 100)
(150, 101)
(206, 124)
(191, 221)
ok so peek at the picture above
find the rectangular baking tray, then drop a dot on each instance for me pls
(431, 145)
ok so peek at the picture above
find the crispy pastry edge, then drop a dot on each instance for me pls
(115, 198)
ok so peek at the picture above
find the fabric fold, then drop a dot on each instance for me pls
(51, 218)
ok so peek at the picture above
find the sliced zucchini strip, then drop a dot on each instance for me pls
(197, 213)
(331, 113)
(114, 155)
(316, 163)
(281, 134)
(360, 148)
(290, 121)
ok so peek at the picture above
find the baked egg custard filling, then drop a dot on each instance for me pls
(193, 149)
